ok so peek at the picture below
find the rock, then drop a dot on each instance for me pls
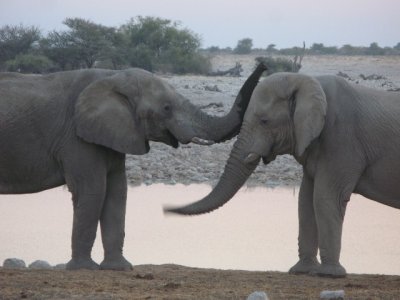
(344, 75)
(172, 285)
(60, 267)
(210, 88)
(147, 276)
(333, 295)
(258, 296)
(14, 263)
(40, 264)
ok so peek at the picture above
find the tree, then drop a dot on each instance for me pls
(59, 48)
(244, 46)
(271, 48)
(374, 49)
(82, 45)
(92, 41)
(159, 44)
(16, 40)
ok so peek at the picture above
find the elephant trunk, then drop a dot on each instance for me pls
(237, 170)
(219, 129)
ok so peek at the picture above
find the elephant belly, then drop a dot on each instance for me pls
(28, 174)
(381, 182)
(30, 183)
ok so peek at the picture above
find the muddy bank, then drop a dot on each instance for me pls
(203, 164)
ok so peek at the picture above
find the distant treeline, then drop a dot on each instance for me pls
(244, 46)
(150, 43)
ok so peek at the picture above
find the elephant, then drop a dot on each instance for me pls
(345, 136)
(76, 127)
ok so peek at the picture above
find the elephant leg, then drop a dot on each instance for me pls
(87, 208)
(85, 172)
(308, 234)
(112, 221)
(331, 193)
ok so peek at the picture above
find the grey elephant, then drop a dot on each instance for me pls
(346, 137)
(75, 128)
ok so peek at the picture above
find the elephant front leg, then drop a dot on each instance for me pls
(112, 222)
(87, 209)
(308, 235)
(330, 201)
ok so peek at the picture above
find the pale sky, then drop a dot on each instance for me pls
(222, 23)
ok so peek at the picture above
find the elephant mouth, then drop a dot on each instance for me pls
(267, 159)
(167, 138)
(173, 141)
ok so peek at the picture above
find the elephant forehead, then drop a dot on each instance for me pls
(273, 90)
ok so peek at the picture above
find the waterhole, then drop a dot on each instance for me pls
(256, 230)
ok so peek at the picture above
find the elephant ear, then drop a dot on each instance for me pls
(310, 110)
(105, 116)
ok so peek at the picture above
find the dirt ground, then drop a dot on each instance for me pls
(197, 164)
(178, 282)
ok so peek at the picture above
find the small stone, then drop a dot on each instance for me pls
(257, 296)
(60, 267)
(212, 88)
(40, 264)
(172, 285)
(332, 295)
(14, 263)
(147, 276)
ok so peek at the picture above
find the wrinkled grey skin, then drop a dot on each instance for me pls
(346, 137)
(75, 127)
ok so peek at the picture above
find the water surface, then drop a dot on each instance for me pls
(256, 230)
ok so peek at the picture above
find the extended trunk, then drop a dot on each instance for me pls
(219, 129)
(235, 175)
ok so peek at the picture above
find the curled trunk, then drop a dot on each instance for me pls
(219, 129)
(234, 176)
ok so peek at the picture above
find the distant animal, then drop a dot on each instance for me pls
(75, 127)
(346, 137)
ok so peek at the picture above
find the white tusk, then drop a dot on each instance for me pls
(252, 157)
(200, 141)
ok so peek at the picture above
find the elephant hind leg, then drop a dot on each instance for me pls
(333, 188)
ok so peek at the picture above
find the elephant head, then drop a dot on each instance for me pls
(126, 110)
(285, 115)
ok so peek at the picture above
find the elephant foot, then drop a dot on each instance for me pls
(305, 266)
(78, 264)
(116, 264)
(329, 270)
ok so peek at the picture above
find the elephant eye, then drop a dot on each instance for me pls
(264, 121)
(167, 108)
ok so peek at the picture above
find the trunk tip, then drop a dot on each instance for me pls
(200, 141)
(178, 211)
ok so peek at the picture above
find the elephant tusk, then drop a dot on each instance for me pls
(252, 157)
(200, 141)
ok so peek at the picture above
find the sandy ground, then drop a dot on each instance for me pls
(199, 164)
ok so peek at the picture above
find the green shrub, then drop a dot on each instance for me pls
(29, 63)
